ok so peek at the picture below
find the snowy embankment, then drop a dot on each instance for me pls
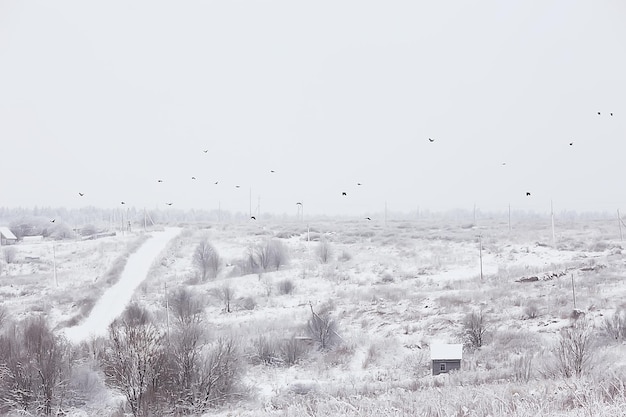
(115, 299)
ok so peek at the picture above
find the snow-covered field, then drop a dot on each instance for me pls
(392, 290)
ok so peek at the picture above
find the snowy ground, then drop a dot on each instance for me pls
(392, 290)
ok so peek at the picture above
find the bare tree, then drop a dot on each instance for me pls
(184, 356)
(46, 353)
(227, 295)
(220, 374)
(270, 256)
(132, 362)
(475, 327)
(207, 260)
(34, 367)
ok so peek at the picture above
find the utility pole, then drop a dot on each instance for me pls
(619, 223)
(480, 254)
(167, 314)
(474, 214)
(54, 264)
(509, 217)
(573, 292)
(552, 217)
(385, 213)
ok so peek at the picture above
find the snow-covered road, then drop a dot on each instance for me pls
(114, 300)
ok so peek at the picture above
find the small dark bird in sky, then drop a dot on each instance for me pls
(358, 183)
(431, 140)
(298, 203)
(236, 186)
(216, 182)
(598, 113)
(205, 151)
(368, 218)
(123, 202)
(272, 171)
(504, 163)
(344, 193)
(571, 144)
(81, 194)
(252, 217)
(611, 114)
(169, 204)
(52, 221)
(527, 194)
(193, 178)
(159, 180)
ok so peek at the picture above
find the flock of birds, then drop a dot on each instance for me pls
(343, 193)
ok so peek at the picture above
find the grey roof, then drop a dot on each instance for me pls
(442, 351)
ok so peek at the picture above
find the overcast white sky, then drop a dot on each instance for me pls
(105, 98)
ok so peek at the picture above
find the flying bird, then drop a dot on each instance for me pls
(368, 218)
(611, 114)
(193, 178)
(169, 204)
(81, 194)
(252, 218)
(159, 180)
(358, 183)
(431, 140)
(52, 221)
(527, 194)
(216, 182)
(123, 202)
(272, 171)
(236, 186)
(504, 163)
(298, 203)
(205, 151)
(571, 144)
(344, 193)
(598, 113)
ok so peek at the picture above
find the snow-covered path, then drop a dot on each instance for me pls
(114, 300)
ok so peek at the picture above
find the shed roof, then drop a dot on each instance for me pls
(7, 233)
(441, 351)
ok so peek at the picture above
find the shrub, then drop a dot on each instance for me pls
(286, 286)
(323, 330)
(246, 303)
(9, 254)
(573, 351)
(185, 306)
(531, 311)
(265, 350)
(324, 251)
(345, 256)
(615, 326)
(292, 350)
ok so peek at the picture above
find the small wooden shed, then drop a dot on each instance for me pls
(6, 236)
(445, 357)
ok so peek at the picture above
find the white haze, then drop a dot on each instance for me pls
(105, 98)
